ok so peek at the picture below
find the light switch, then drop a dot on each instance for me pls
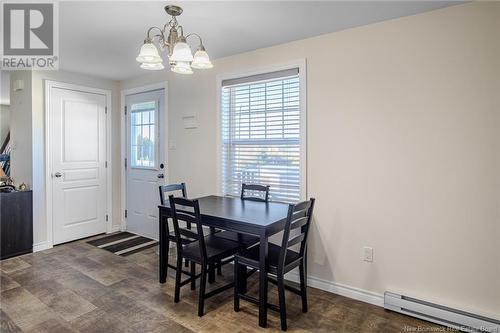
(368, 254)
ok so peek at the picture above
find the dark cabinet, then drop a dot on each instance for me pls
(16, 223)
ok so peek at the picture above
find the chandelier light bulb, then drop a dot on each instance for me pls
(153, 67)
(182, 51)
(201, 59)
(148, 54)
(182, 67)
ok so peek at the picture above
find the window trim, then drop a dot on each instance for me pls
(301, 65)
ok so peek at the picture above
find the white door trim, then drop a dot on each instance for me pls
(49, 85)
(161, 85)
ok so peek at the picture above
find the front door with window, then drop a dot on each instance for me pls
(145, 160)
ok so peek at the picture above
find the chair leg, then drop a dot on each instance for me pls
(211, 273)
(236, 286)
(168, 250)
(203, 284)
(186, 262)
(178, 273)
(219, 267)
(281, 294)
(193, 275)
(164, 274)
(303, 285)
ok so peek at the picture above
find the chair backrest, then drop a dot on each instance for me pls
(299, 216)
(255, 192)
(188, 211)
(164, 189)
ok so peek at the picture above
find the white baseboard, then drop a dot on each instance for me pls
(115, 228)
(40, 246)
(341, 289)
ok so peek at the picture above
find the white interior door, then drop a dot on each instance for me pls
(145, 160)
(78, 148)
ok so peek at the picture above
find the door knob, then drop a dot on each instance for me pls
(58, 175)
(161, 176)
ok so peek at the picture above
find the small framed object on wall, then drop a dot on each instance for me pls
(190, 121)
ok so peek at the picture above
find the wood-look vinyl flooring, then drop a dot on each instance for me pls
(76, 287)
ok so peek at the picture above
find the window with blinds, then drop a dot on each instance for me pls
(261, 134)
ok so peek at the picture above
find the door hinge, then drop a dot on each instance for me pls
(125, 108)
(106, 164)
(106, 110)
(125, 162)
(125, 213)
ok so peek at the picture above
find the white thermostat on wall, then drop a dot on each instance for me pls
(190, 121)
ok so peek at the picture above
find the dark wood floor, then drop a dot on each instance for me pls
(76, 287)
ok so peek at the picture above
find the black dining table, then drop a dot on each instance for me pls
(234, 214)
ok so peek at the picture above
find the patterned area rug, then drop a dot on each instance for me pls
(123, 243)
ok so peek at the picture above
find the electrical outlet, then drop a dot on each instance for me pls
(368, 254)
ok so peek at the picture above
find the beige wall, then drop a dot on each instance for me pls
(20, 126)
(194, 158)
(38, 130)
(403, 151)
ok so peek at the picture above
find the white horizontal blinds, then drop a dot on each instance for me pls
(261, 134)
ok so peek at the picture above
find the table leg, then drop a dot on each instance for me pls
(242, 273)
(263, 281)
(163, 248)
(242, 278)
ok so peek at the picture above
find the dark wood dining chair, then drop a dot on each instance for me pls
(181, 189)
(207, 251)
(281, 260)
(255, 192)
(166, 190)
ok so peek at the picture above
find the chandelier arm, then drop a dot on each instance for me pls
(161, 35)
(195, 34)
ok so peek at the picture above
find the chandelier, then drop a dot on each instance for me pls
(180, 56)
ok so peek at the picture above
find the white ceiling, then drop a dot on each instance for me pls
(103, 38)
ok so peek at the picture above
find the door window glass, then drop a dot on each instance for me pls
(142, 135)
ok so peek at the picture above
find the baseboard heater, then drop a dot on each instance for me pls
(457, 319)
